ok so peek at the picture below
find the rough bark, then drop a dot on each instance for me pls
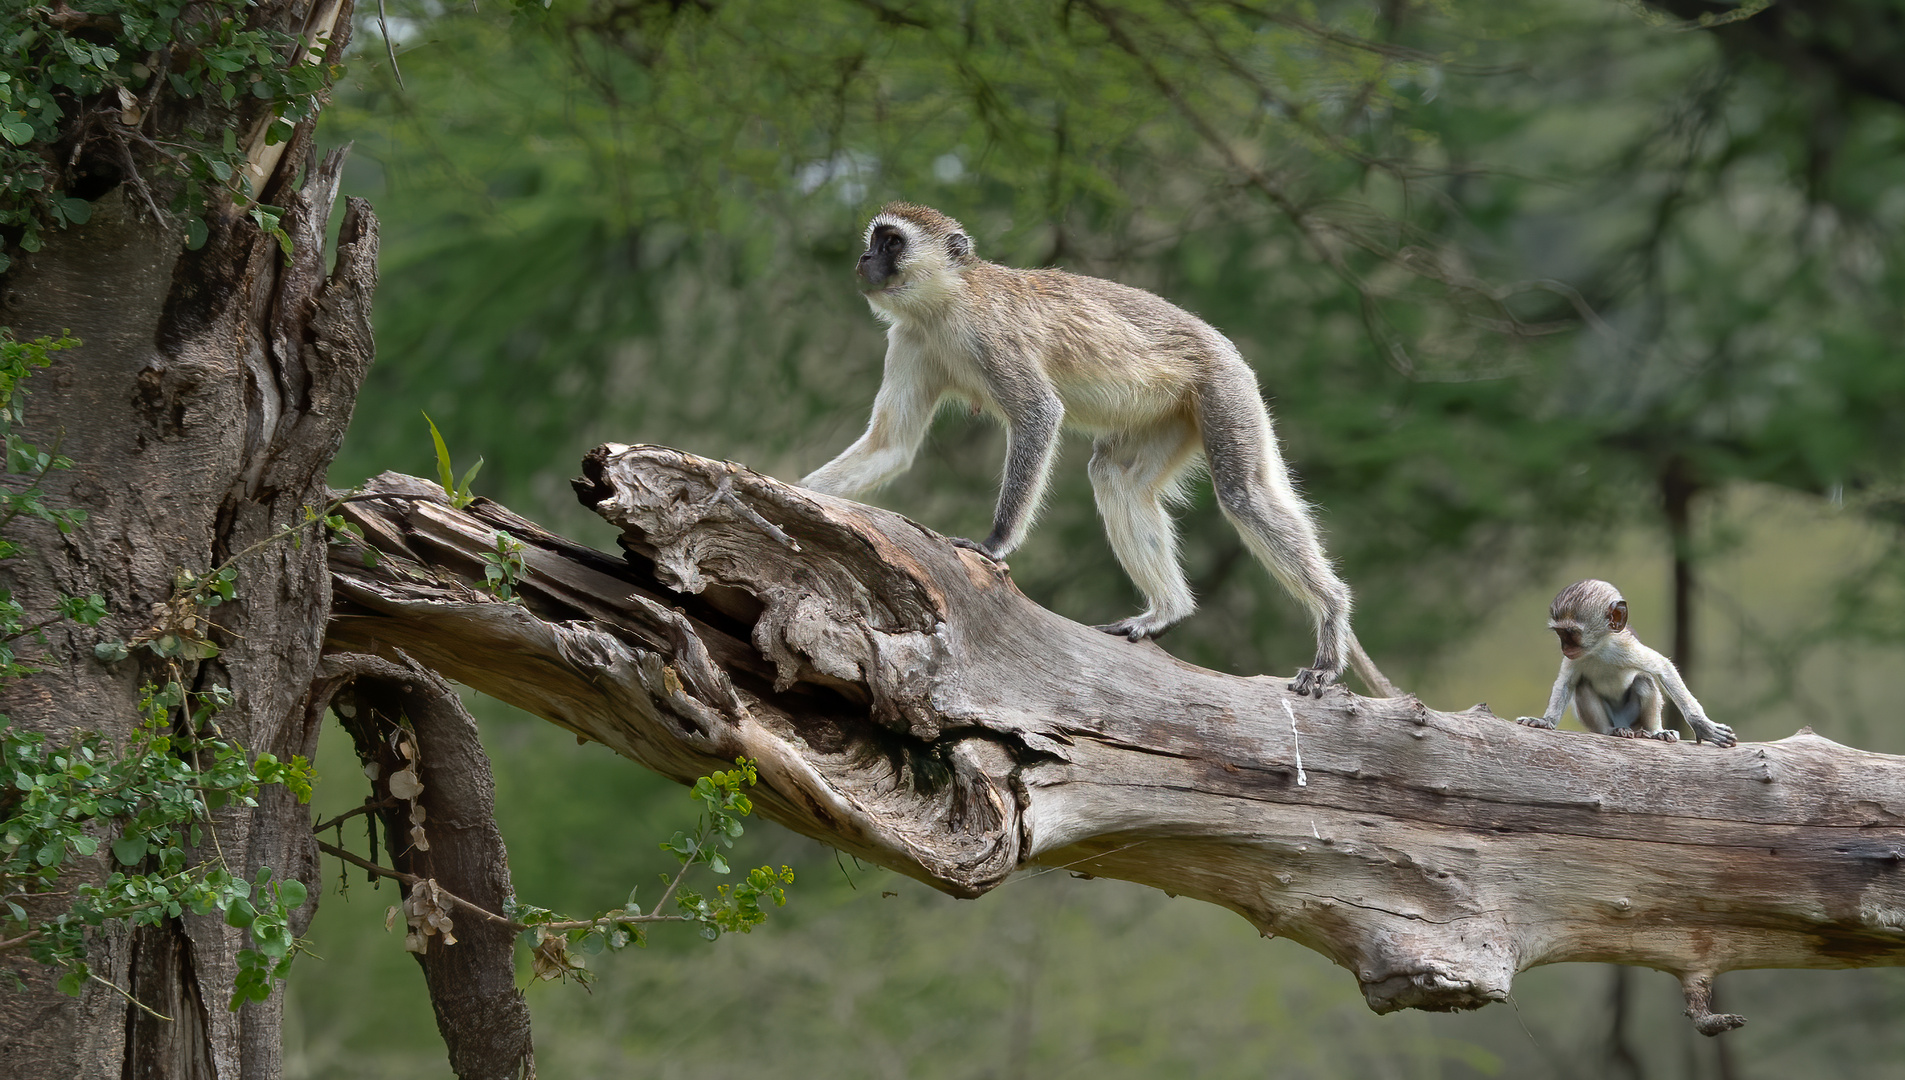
(907, 704)
(444, 834)
(210, 395)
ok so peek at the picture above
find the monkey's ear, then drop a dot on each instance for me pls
(1617, 616)
(959, 244)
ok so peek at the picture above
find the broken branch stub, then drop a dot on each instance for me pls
(907, 704)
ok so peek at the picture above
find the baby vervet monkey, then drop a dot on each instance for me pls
(1615, 682)
(1156, 386)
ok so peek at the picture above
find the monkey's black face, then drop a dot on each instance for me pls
(880, 263)
(1571, 645)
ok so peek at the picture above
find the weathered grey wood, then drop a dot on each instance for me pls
(906, 703)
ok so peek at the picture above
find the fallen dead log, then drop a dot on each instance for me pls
(908, 705)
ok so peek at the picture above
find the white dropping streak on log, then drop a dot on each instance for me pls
(1296, 743)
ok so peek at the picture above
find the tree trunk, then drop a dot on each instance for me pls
(406, 720)
(1679, 484)
(210, 394)
(907, 704)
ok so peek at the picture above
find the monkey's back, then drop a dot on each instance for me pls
(1118, 356)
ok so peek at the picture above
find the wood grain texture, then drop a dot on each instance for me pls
(907, 704)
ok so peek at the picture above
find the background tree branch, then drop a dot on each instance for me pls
(403, 718)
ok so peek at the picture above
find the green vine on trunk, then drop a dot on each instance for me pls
(158, 794)
(153, 87)
(152, 800)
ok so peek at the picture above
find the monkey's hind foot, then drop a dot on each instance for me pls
(997, 560)
(1536, 722)
(1717, 734)
(1138, 627)
(1642, 733)
(1313, 681)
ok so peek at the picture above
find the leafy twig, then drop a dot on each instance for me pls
(413, 879)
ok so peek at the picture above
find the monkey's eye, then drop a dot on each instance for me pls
(1570, 639)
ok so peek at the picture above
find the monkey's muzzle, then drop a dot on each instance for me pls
(1572, 646)
(875, 272)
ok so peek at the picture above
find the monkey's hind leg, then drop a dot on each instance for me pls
(1592, 710)
(1254, 490)
(1133, 475)
(1638, 714)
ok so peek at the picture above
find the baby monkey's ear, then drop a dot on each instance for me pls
(1617, 616)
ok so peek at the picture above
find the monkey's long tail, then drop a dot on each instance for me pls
(1366, 669)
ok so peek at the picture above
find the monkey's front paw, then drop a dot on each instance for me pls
(1536, 722)
(974, 545)
(1628, 733)
(1717, 734)
(1313, 681)
(1665, 735)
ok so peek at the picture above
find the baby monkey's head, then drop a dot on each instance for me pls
(1584, 614)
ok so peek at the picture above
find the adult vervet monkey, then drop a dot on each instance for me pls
(1615, 682)
(1154, 385)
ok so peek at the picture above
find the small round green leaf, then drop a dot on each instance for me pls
(240, 914)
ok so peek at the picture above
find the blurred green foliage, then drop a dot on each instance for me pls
(1504, 269)
(635, 221)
